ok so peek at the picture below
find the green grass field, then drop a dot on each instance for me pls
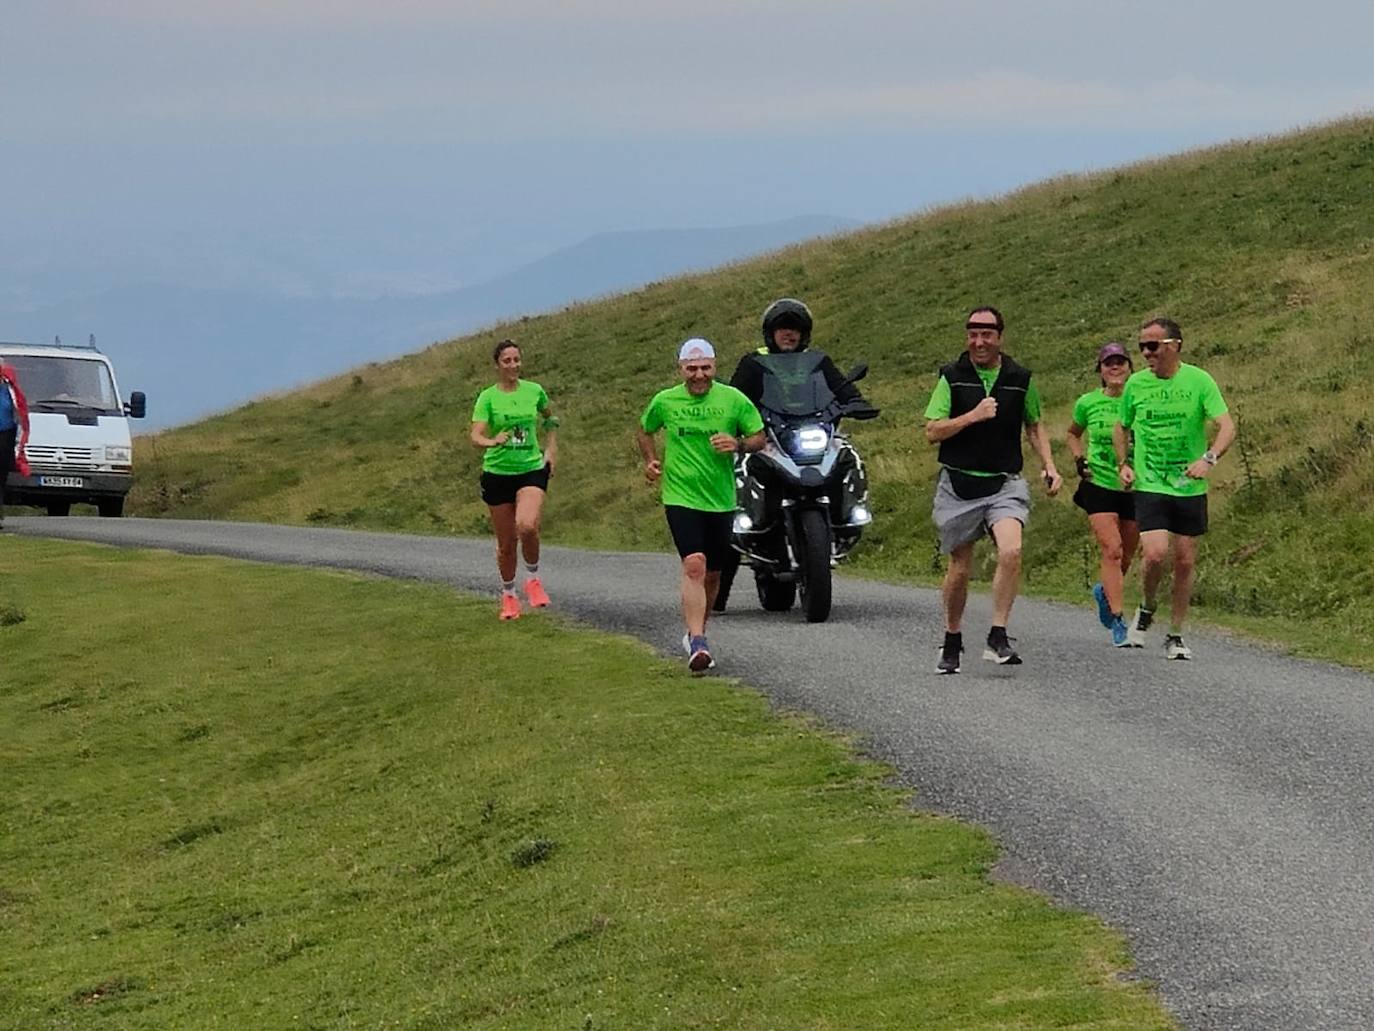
(1264, 251)
(235, 795)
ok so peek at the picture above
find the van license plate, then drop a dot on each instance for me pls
(61, 481)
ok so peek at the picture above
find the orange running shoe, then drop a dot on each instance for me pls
(510, 606)
(534, 593)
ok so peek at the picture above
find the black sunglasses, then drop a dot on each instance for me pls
(1146, 346)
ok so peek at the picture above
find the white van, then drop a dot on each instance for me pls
(79, 449)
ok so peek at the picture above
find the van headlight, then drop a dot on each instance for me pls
(120, 454)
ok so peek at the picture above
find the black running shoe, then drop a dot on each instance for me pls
(999, 649)
(949, 654)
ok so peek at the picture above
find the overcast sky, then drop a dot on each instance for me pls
(323, 146)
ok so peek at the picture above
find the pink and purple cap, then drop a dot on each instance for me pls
(1112, 350)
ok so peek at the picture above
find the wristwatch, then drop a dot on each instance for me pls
(1210, 457)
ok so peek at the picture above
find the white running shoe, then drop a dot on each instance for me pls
(1140, 626)
(1174, 648)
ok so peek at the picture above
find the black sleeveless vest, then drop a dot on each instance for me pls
(993, 446)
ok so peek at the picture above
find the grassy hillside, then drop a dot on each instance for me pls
(1261, 249)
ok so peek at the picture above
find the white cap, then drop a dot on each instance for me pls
(695, 348)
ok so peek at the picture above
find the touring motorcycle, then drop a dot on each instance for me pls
(802, 502)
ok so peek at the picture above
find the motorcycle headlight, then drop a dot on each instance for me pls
(117, 455)
(860, 516)
(811, 440)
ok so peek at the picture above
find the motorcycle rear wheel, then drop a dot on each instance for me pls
(774, 595)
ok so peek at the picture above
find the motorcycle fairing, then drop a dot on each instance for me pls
(794, 384)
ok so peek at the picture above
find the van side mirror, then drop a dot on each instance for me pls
(858, 372)
(137, 405)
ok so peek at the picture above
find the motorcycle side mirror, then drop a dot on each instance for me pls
(858, 372)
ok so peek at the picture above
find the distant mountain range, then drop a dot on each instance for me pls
(199, 351)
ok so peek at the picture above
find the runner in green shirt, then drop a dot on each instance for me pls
(1164, 415)
(515, 470)
(1111, 510)
(704, 423)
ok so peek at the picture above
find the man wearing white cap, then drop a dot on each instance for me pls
(705, 423)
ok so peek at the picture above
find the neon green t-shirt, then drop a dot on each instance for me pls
(940, 400)
(1097, 414)
(516, 412)
(1168, 418)
(696, 475)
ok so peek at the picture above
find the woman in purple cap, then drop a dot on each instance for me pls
(1111, 510)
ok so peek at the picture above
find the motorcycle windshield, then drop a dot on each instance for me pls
(794, 383)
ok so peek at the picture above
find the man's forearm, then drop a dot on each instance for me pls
(1040, 441)
(940, 430)
(1226, 434)
(1121, 443)
(646, 445)
(753, 442)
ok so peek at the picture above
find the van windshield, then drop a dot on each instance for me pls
(54, 383)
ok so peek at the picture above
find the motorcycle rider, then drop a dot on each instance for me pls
(786, 327)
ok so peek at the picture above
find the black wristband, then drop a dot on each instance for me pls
(1081, 464)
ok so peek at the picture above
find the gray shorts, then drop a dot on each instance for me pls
(960, 522)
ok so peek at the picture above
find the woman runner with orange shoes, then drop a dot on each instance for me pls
(515, 471)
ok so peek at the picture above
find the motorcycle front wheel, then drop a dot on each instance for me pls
(813, 554)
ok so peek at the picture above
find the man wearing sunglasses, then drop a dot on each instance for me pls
(981, 403)
(1165, 409)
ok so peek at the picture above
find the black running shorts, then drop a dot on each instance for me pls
(1186, 517)
(1094, 499)
(500, 489)
(701, 533)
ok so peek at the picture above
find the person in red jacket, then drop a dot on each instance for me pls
(14, 429)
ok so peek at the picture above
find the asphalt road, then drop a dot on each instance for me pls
(1219, 812)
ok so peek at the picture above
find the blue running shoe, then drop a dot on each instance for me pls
(1120, 635)
(699, 655)
(1104, 611)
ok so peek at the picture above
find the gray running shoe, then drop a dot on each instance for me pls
(1140, 626)
(1174, 648)
(1000, 651)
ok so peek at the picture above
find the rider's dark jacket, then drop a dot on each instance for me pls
(749, 374)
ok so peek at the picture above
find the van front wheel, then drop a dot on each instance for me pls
(112, 507)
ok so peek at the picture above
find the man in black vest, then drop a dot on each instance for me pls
(980, 404)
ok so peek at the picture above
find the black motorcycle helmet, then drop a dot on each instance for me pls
(787, 313)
